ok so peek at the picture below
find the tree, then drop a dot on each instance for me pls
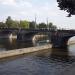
(24, 24)
(9, 22)
(2, 25)
(42, 26)
(32, 25)
(67, 5)
(54, 27)
(15, 24)
(51, 26)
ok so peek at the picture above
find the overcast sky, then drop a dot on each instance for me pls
(43, 9)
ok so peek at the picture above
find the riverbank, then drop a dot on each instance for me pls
(16, 52)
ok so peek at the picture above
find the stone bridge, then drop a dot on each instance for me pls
(58, 38)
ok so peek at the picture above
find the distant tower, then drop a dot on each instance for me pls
(47, 24)
(35, 21)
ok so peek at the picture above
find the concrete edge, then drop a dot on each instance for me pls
(16, 52)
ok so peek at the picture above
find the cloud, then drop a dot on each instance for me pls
(29, 7)
(24, 3)
(8, 2)
(26, 9)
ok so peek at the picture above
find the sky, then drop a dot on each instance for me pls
(42, 9)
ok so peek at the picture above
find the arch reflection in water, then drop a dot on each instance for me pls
(9, 44)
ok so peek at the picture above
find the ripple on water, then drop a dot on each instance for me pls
(48, 62)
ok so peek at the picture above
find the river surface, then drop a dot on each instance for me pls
(46, 62)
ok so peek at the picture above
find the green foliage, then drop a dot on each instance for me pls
(32, 25)
(54, 27)
(2, 25)
(9, 22)
(51, 26)
(24, 24)
(42, 26)
(45, 26)
(15, 24)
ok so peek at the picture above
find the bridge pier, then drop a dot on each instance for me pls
(58, 41)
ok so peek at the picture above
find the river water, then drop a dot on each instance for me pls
(46, 62)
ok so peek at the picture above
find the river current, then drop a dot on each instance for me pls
(46, 62)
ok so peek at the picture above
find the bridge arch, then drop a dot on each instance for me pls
(31, 36)
(71, 40)
(60, 41)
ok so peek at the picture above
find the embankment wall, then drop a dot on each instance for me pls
(16, 52)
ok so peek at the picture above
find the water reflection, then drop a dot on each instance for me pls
(55, 56)
(9, 44)
(46, 62)
(71, 50)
